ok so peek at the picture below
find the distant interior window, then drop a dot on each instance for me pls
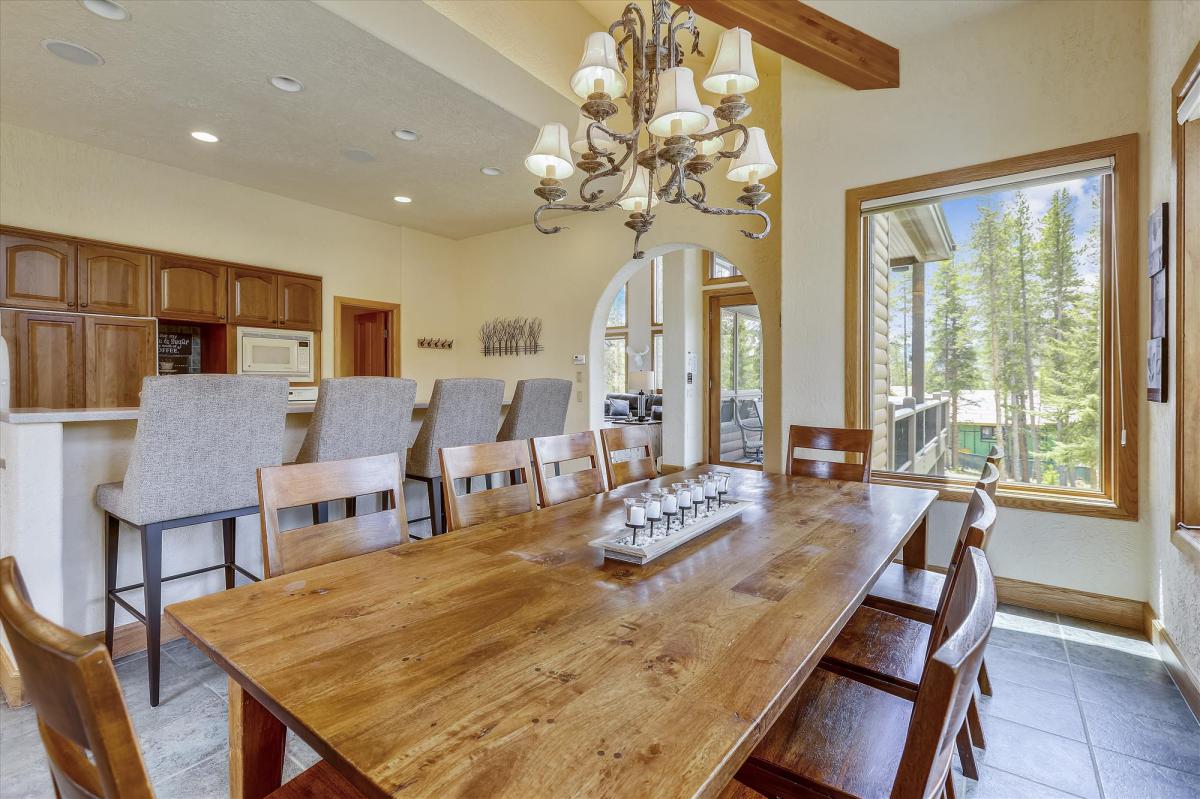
(656, 343)
(720, 268)
(618, 314)
(657, 289)
(615, 364)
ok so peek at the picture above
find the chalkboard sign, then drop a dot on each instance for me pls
(178, 350)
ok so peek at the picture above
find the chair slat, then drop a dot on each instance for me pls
(834, 439)
(640, 466)
(474, 460)
(553, 450)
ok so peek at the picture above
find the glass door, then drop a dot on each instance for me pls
(735, 381)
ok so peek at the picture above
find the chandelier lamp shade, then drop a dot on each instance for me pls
(673, 139)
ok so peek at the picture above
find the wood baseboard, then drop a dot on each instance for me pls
(129, 639)
(1183, 674)
(10, 680)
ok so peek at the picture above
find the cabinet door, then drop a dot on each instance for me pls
(189, 290)
(118, 354)
(37, 273)
(252, 297)
(299, 302)
(113, 281)
(47, 359)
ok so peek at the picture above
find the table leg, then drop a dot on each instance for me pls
(256, 740)
(914, 548)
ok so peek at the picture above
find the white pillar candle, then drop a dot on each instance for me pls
(710, 487)
(637, 515)
(697, 492)
(653, 506)
(669, 503)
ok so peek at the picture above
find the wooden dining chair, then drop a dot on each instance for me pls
(844, 738)
(553, 450)
(634, 439)
(835, 439)
(296, 484)
(90, 744)
(890, 652)
(474, 460)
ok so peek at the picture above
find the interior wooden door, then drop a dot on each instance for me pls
(189, 290)
(113, 281)
(118, 353)
(37, 273)
(299, 302)
(252, 297)
(371, 344)
(47, 359)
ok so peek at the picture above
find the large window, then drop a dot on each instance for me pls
(987, 317)
(616, 364)
(618, 314)
(656, 292)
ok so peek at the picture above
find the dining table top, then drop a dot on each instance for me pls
(512, 659)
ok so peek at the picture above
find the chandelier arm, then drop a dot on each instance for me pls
(701, 195)
(614, 169)
(708, 209)
(736, 152)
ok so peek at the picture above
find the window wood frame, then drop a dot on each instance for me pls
(1120, 364)
(1186, 513)
(707, 278)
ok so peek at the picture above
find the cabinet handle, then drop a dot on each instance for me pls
(70, 303)
(83, 305)
(221, 317)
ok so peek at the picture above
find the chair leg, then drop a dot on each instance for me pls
(152, 592)
(435, 506)
(229, 545)
(985, 682)
(351, 506)
(975, 724)
(966, 756)
(112, 536)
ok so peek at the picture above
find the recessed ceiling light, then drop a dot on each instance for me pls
(74, 53)
(361, 156)
(400, 198)
(286, 84)
(204, 136)
(107, 9)
(404, 134)
(492, 171)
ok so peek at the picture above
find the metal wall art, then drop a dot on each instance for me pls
(517, 336)
(435, 343)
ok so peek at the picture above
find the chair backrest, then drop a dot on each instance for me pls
(835, 439)
(71, 683)
(462, 410)
(996, 458)
(641, 463)
(359, 416)
(199, 441)
(748, 415)
(976, 531)
(558, 488)
(463, 463)
(989, 478)
(538, 408)
(947, 684)
(297, 484)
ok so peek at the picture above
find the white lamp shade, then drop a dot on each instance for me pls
(579, 143)
(640, 381)
(732, 71)
(712, 146)
(599, 63)
(551, 155)
(635, 198)
(756, 162)
(677, 102)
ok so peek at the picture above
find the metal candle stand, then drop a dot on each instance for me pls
(635, 528)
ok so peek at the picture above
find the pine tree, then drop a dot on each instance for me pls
(954, 359)
(1027, 296)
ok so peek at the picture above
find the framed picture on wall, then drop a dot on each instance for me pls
(1159, 239)
(1156, 375)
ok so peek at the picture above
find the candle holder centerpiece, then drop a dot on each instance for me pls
(635, 516)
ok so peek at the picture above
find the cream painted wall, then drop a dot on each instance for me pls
(54, 184)
(1024, 78)
(1174, 578)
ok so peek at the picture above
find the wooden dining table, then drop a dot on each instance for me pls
(511, 659)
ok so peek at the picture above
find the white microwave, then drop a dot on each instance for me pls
(284, 353)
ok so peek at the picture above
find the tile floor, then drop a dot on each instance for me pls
(1078, 710)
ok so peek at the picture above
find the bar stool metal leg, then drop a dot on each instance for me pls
(229, 546)
(112, 534)
(152, 592)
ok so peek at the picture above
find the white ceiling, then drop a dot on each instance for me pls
(178, 66)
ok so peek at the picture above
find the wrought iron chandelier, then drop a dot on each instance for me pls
(682, 140)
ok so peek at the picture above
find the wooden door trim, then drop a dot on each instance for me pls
(717, 299)
(393, 309)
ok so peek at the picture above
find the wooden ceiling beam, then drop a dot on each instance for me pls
(816, 40)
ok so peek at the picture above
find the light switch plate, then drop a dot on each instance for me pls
(579, 360)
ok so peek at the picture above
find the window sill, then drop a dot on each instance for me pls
(1187, 542)
(1096, 506)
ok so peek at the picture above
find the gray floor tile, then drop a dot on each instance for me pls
(1116, 661)
(1036, 672)
(16, 721)
(1107, 635)
(180, 689)
(1153, 699)
(301, 752)
(1028, 613)
(1030, 641)
(24, 773)
(1157, 741)
(192, 737)
(1125, 777)
(205, 780)
(1041, 757)
(996, 784)
(1032, 707)
(185, 654)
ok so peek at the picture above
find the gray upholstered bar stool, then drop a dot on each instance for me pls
(357, 417)
(462, 410)
(200, 440)
(538, 408)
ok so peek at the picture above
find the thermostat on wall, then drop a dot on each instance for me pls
(579, 360)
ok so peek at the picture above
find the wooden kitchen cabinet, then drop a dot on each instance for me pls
(118, 353)
(253, 297)
(47, 358)
(113, 281)
(37, 273)
(189, 290)
(299, 302)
